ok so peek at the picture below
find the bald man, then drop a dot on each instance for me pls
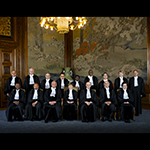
(34, 104)
(52, 103)
(88, 103)
(107, 101)
(46, 83)
(30, 80)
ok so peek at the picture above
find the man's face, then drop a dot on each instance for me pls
(47, 76)
(31, 71)
(36, 86)
(13, 73)
(124, 86)
(77, 78)
(17, 86)
(62, 76)
(120, 74)
(106, 84)
(135, 73)
(70, 87)
(88, 85)
(105, 76)
(53, 84)
(90, 72)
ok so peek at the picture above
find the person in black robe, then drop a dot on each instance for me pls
(107, 101)
(125, 98)
(30, 80)
(34, 104)
(10, 84)
(92, 79)
(52, 103)
(88, 103)
(16, 103)
(118, 81)
(70, 103)
(105, 78)
(77, 83)
(136, 85)
(46, 83)
(61, 83)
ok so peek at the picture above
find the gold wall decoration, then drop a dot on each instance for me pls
(5, 26)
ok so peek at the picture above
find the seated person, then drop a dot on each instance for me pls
(126, 99)
(118, 81)
(77, 83)
(108, 101)
(34, 103)
(16, 103)
(70, 103)
(105, 78)
(46, 83)
(61, 83)
(52, 103)
(88, 103)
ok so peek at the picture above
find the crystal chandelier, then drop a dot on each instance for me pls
(62, 24)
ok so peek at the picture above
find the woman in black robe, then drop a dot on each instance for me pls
(52, 103)
(70, 103)
(88, 103)
(125, 98)
(136, 85)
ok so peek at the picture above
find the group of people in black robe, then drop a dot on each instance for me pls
(37, 100)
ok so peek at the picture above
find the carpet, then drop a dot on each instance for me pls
(141, 125)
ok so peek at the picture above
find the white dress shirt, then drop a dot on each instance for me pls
(125, 95)
(77, 84)
(17, 95)
(31, 80)
(88, 94)
(53, 92)
(35, 95)
(121, 81)
(105, 80)
(135, 81)
(91, 79)
(62, 83)
(107, 93)
(47, 86)
(70, 94)
(13, 81)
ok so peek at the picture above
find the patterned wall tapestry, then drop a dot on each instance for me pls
(45, 49)
(110, 44)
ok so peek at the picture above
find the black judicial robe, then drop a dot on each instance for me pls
(11, 105)
(103, 98)
(121, 102)
(38, 106)
(83, 105)
(101, 85)
(95, 82)
(72, 106)
(27, 85)
(137, 92)
(43, 84)
(117, 83)
(9, 88)
(47, 99)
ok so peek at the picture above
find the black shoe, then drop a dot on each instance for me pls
(127, 121)
(103, 119)
(109, 119)
(46, 121)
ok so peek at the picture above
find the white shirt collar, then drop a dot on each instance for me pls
(31, 75)
(136, 77)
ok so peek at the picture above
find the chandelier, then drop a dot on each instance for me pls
(62, 24)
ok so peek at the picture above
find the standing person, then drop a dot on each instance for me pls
(34, 103)
(30, 80)
(125, 98)
(88, 103)
(136, 85)
(108, 101)
(16, 103)
(10, 84)
(92, 79)
(52, 103)
(119, 81)
(46, 83)
(61, 83)
(70, 103)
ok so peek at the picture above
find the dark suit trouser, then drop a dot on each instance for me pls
(108, 110)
